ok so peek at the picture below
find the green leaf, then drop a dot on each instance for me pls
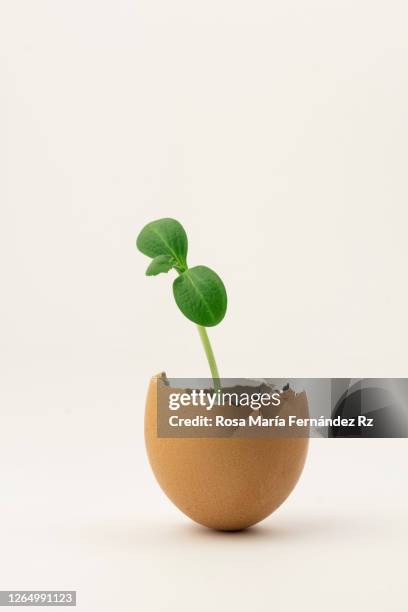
(161, 263)
(200, 294)
(164, 237)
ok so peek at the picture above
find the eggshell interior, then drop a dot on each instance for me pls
(225, 483)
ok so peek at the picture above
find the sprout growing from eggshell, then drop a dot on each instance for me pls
(198, 291)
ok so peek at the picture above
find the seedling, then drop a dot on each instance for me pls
(199, 292)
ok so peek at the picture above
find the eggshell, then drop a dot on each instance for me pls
(225, 483)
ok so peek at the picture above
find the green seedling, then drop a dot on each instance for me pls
(199, 292)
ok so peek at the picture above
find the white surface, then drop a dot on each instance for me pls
(100, 525)
(277, 133)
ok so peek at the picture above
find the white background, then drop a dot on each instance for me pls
(277, 133)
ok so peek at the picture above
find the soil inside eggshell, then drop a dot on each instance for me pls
(230, 412)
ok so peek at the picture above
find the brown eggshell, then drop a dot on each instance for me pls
(225, 483)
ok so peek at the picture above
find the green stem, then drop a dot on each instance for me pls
(210, 356)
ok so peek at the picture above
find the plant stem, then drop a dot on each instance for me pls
(210, 356)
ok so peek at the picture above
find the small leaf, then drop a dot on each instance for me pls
(201, 296)
(161, 263)
(164, 237)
